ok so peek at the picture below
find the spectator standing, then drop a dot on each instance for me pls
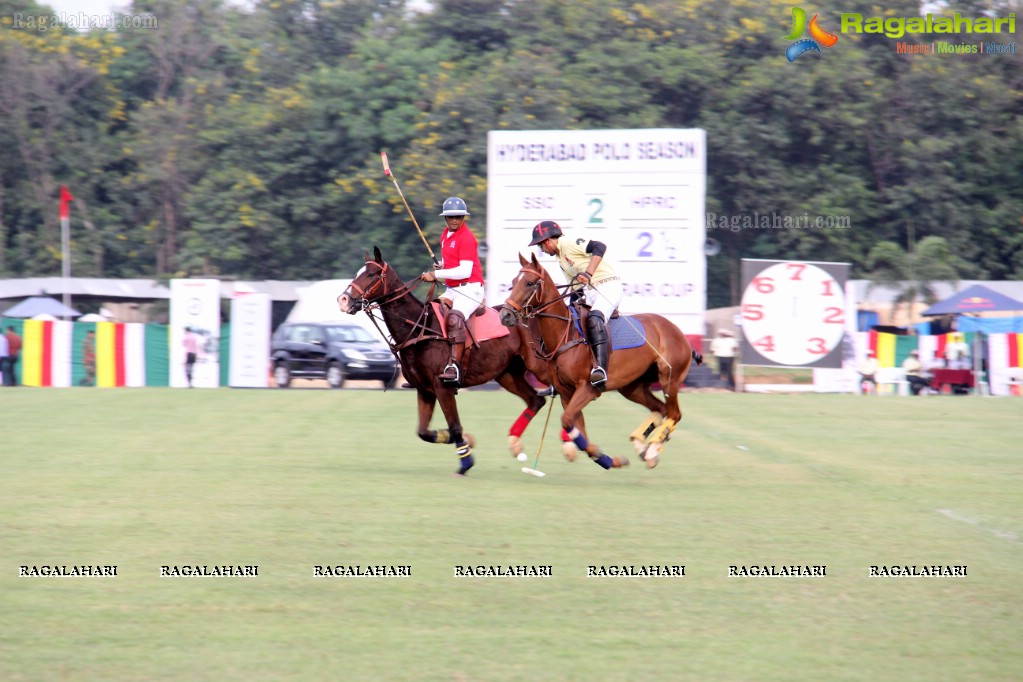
(724, 348)
(4, 359)
(13, 353)
(191, 344)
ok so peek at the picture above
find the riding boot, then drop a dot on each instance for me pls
(596, 334)
(452, 374)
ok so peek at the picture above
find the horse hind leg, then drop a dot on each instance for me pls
(639, 392)
(464, 442)
(640, 437)
(655, 441)
(657, 437)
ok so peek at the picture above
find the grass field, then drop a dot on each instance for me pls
(287, 480)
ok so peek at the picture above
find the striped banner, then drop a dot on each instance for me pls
(1014, 346)
(120, 354)
(46, 353)
(892, 349)
(1005, 353)
(934, 348)
(157, 352)
(61, 354)
(883, 346)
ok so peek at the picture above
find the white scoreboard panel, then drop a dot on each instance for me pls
(641, 192)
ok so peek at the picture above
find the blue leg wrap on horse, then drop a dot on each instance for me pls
(465, 458)
(604, 461)
(578, 438)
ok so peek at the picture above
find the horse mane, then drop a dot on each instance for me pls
(407, 306)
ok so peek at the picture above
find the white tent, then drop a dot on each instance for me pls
(318, 303)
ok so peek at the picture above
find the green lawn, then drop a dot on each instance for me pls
(287, 480)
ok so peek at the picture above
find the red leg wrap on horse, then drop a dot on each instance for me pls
(519, 427)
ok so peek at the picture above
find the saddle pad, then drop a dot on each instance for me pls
(483, 327)
(625, 331)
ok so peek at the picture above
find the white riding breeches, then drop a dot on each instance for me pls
(465, 298)
(605, 295)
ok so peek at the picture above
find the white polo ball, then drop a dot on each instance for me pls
(522, 457)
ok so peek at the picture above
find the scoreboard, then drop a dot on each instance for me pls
(640, 191)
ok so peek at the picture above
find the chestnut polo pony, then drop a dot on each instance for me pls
(417, 338)
(663, 356)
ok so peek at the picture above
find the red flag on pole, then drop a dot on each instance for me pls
(65, 199)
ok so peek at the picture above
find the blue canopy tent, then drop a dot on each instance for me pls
(974, 300)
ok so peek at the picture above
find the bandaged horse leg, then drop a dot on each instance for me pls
(516, 431)
(593, 450)
(643, 431)
(465, 458)
(656, 440)
(568, 447)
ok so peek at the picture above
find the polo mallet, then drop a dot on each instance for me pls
(388, 173)
(534, 471)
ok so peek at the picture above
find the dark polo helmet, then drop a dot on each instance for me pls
(545, 230)
(454, 206)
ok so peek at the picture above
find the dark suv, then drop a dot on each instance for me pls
(332, 351)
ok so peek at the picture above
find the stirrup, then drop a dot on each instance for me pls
(598, 376)
(451, 374)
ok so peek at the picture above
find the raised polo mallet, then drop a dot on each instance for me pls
(534, 471)
(388, 173)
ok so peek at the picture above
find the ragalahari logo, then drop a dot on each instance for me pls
(818, 36)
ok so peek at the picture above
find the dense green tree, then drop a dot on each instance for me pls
(244, 140)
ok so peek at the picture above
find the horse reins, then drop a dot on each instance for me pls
(389, 297)
(526, 312)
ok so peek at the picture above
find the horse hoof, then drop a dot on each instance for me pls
(515, 445)
(640, 447)
(651, 455)
(569, 449)
(619, 462)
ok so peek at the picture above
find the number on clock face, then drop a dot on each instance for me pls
(793, 313)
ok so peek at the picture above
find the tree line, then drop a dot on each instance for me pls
(221, 140)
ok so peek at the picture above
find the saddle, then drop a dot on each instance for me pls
(624, 332)
(484, 324)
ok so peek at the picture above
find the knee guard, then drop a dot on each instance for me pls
(456, 327)
(596, 328)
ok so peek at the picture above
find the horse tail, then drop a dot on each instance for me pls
(698, 358)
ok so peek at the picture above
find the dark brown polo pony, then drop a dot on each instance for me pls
(417, 339)
(665, 357)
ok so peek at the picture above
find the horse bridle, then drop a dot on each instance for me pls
(526, 311)
(365, 295)
(368, 296)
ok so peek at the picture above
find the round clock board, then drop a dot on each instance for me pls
(793, 313)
